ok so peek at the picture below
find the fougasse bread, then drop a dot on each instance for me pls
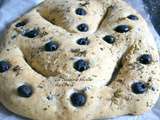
(79, 60)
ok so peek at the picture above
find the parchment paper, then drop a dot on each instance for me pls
(11, 9)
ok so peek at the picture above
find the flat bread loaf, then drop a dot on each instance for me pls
(79, 60)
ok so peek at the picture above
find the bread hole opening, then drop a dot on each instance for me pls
(117, 68)
(41, 14)
(35, 70)
(108, 11)
(116, 71)
(42, 68)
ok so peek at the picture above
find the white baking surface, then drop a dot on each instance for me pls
(10, 9)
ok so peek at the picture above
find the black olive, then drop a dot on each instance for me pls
(81, 11)
(109, 39)
(83, 41)
(145, 59)
(81, 65)
(4, 66)
(25, 91)
(51, 46)
(78, 99)
(132, 17)
(31, 33)
(122, 28)
(139, 87)
(83, 27)
(20, 24)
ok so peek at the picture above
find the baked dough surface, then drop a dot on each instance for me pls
(79, 60)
